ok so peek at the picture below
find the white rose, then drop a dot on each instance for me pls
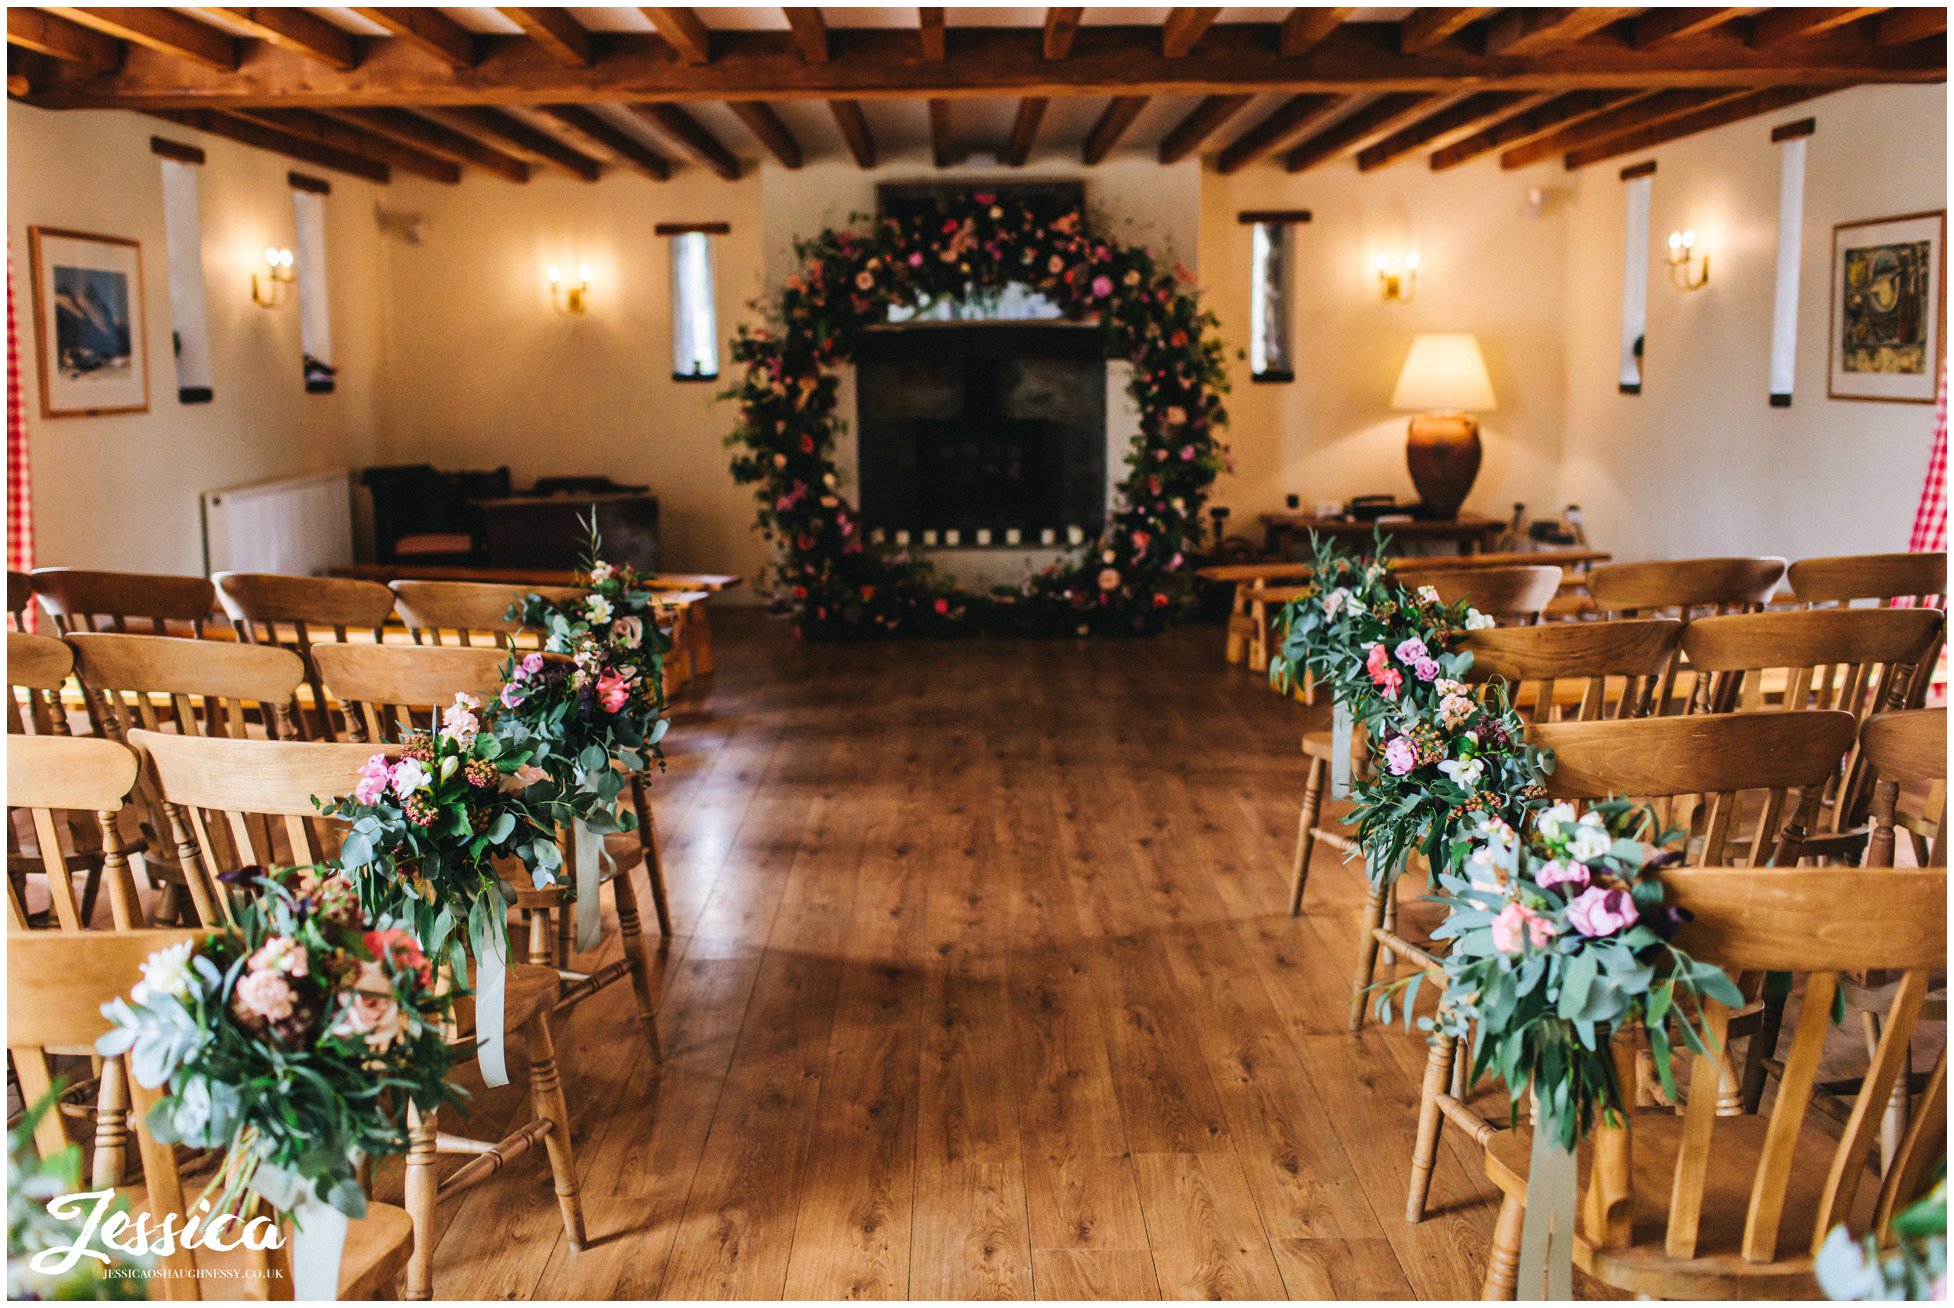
(628, 632)
(166, 973)
(1477, 621)
(1589, 843)
(1463, 771)
(1550, 822)
(411, 775)
(598, 609)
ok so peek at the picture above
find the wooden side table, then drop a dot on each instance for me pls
(1469, 531)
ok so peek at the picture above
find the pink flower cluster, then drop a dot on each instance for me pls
(516, 689)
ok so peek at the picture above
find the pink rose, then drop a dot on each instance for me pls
(1102, 286)
(281, 954)
(916, 259)
(1400, 756)
(1598, 912)
(1518, 928)
(1426, 669)
(374, 776)
(368, 1011)
(263, 995)
(1386, 677)
(1558, 872)
(531, 664)
(613, 691)
(513, 694)
(1411, 650)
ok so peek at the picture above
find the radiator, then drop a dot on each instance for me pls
(301, 525)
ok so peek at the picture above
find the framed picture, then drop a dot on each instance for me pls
(1889, 289)
(88, 323)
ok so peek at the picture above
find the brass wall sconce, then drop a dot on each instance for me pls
(567, 298)
(1397, 284)
(272, 287)
(1688, 270)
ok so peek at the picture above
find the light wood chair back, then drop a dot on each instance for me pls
(51, 779)
(38, 667)
(1516, 594)
(79, 599)
(300, 612)
(1682, 587)
(1898, 748)
(1881, 578)
(234, 804)
(470, 612)
(20, 597)
(1818, 923)
(393, 687)
(1564, 669)
(195, 687)
(1712, 763)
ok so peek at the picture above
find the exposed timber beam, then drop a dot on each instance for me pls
(810, 32)
(564, 37)
(1184, 29)
(930, 32)
(766, 126)
(1112, 125)
(1899, 26)
(531, 141)
(939, 112)
(1305, 29)
(163, 30)
(1200, 123)
(854, 130)
(309, 125)
(1380, 115)
(1659, 25)
(300, 30)
(1024, 130)
(1647, 111)
(684, 32)
(1061, 29)
(593, 126)
(1522, 127)
(982, 63)
(1439, 128)
(686, 132)
(58, 38)
(1288, 118)
(433, 138)
(1534, 31)
(1777, 26)
(1423, 29)
(1730, 111)
(266, 138)
(429, 30)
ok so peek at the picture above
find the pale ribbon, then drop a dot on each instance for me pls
(318, 1232)
(589, 844)
(1547, 1238)
(491, 976)
(1341, 730)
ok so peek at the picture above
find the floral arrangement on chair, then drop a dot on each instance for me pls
(295, 1039)
(1914, 1267)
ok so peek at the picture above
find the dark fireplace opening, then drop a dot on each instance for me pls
(965, 426)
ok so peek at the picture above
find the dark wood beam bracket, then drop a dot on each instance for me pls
(176, 150)
(810, 32)
(1792, 131)
(1644, 169)
(683, 229)
(930, 33)
(308, 183)
(1249, 217)
(1766, 101)
(1061, 29)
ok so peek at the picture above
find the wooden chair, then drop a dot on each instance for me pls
(50, 778)
(1683, 588)
(1665, 762)
(476, 614)
(38, 671)
(38, 668)
(255, 791)
(82, 600)
(20, 598)
(295, 612)
(56, 986)
(396, 686)
(1881, 578)
(1697, 1204)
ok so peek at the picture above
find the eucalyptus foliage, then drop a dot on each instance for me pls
(33, 1182)
(1914, 1266)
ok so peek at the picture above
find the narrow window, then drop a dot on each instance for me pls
(184, 246)
(1271, 276)
(1791, 239)
(1635, 275)
(315, 318)
(695, 323)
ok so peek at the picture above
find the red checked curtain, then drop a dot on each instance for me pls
(1930, 521)
(20, 500)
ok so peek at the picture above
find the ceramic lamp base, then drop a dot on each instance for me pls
(1443, 453)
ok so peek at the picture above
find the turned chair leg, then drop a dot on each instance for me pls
(1384, 952)
(421, 1184)
(565, 914)
(538, 937)
(1439, 1061)
(111, 1125)
(1366, 955)
(547, 1101)
(1763, 1044)
(637, 957)
(1306, 832)
(654, 861)
(1503, 1261)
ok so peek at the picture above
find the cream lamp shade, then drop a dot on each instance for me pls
(1444, 373)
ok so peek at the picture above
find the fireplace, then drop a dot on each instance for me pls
(972, 426)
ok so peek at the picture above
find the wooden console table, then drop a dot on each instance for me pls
(1469, 531)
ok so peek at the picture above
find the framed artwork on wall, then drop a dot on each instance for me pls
(88, 323)
(1889, 289)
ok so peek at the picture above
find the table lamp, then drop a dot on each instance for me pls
(1444, 381)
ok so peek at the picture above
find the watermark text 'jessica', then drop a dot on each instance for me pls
(142, 1235)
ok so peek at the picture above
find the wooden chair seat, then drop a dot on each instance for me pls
(1719, 1270)
(528, 991)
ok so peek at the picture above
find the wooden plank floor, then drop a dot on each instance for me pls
(983, 986)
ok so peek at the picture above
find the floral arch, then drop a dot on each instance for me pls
(971, 246)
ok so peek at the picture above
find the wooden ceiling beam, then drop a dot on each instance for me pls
(1659, 25)
(691, 136)
(531, 141)
(567, 40)
(1525, 126)
(1900, 26)
(1061, 29)
(1776, 26)
(984, 63)
(1199, 125)
(433, 138)
(309, 125)
(1424, 29)
(930, 33)
(1288, 118)
(1442, 127)
(300, 30)
(1733, 110)
(1536, 31)
(939, 114)
(163, 30)
(1184, 29)
(593, 126)
(810, 32)
(1112, 125)
(1380, 115)
(760, 119)
(428, 30)
(854, 130)
(1305, 29)
(58, 38)
(261, 137)
(683, 30)
(1647, 111)
(1024, 130)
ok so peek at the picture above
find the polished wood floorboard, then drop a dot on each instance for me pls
(984, 986)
